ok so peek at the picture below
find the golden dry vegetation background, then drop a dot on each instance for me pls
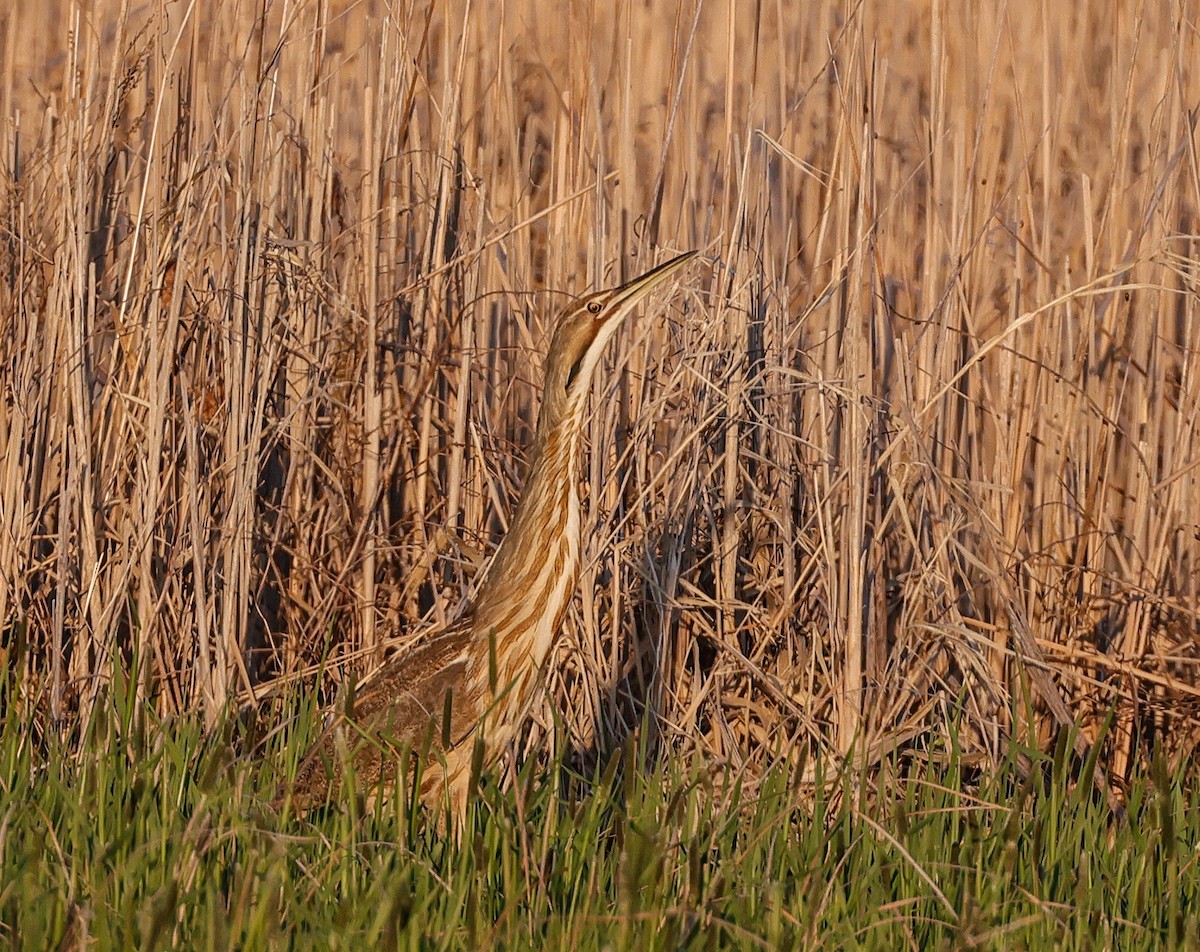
(916, 445)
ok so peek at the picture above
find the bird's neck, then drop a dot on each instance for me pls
(523, 599)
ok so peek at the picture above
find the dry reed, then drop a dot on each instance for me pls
(921, 444)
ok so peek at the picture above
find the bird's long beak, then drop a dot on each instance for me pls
(628, 294)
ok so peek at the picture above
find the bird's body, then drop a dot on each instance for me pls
(471, 685)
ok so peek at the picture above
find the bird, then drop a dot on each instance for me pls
(449, 705)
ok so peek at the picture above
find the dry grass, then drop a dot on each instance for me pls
(276, 279)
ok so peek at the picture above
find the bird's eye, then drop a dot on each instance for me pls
(595, 307)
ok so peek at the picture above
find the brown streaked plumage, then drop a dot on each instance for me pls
(483, 668)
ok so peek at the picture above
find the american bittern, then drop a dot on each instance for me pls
(470, 686)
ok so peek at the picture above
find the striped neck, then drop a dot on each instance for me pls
(522, 602)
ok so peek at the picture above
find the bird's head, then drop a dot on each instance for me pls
(583, 330)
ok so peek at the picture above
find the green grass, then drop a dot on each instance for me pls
(159, 838)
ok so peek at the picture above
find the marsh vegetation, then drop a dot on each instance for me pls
(889, 595)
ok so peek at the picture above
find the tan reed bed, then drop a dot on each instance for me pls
(277, 280)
